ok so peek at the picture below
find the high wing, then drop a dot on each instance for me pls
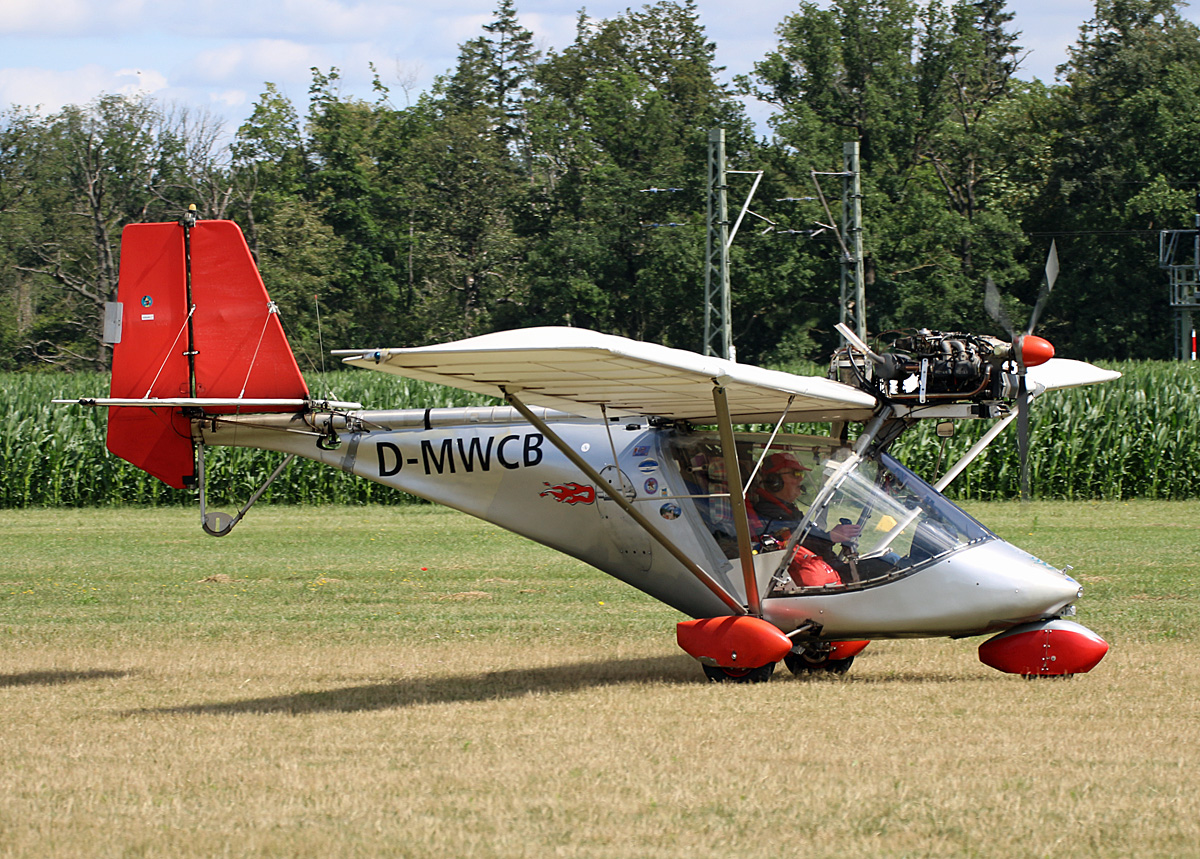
(587, 373)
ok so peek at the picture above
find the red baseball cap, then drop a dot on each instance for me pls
(777, 462)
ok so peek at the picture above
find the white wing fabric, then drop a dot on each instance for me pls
(578, 371)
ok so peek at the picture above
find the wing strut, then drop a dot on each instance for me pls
(737, 497)
(976, 449)
(579, 462)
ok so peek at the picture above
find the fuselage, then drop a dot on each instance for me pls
(492, 464)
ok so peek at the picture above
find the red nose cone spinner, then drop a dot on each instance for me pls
(1036, 350)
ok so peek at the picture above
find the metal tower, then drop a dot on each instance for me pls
(718, 325)
(1179, 254)
(854, 290)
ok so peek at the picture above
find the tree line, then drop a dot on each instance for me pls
(568, 187)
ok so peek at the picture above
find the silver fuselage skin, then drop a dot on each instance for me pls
(490, 463)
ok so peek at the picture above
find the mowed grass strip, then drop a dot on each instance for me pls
(304, 688)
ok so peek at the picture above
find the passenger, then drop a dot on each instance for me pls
(709, 479)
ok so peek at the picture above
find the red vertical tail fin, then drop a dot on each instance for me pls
(226, 343)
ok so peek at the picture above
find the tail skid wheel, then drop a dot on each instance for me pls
(739, 675)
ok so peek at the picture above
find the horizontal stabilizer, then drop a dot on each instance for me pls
(210, 403)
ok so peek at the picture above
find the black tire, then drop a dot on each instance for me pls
(739, 675)
(805, 665)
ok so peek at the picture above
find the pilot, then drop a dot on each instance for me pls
(774, 514)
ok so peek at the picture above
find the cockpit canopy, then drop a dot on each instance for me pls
(802, 488)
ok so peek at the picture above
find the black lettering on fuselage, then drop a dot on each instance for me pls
(446, 460)
(384, 469)
(533, 449)
(504, 460)
(474, 453)
(473, 448)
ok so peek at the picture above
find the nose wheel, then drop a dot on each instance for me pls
(739, 675)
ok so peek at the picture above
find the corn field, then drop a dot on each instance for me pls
(1138, 437)
(55, 456)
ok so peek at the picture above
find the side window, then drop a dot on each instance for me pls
(704, 473)
(877, 521)
(787, 480)
(777, 493)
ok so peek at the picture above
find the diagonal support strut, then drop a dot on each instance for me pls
(621, 501)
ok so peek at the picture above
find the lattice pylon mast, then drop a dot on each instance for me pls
(1179, 254)
(718, 324)
(853, 285)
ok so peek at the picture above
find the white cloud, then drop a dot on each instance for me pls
(32, 17)
(229, 98)
(137, 81)
(50, 90)
(258, 60)
(71, 17)
(316, 21)
(71, 51)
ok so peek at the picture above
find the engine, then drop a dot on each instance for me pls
(933, 367)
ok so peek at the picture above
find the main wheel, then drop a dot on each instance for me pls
(807, 663)
(739, 675)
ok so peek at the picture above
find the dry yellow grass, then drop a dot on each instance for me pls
(486, 749)
(285, 716)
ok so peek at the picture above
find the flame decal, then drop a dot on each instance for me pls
(570, 493)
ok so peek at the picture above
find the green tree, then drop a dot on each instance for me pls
(268, 157)
(298, 253)
(466, 164)
(624, 109)
(20, 136)
(118, 161)
(1125, 161)
(512, 59)
(346, 182)
(462, 190)
(926, 91)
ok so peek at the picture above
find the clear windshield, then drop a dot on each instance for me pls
(902, 520)
(863, 521)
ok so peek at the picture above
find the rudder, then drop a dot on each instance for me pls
(233, 336)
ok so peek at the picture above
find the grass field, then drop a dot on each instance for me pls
(405, 681)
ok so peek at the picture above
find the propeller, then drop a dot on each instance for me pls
(1028, 350)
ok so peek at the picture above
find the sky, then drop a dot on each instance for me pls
(218, 54)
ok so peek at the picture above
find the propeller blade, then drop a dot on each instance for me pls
(1052, 265)
(995, 309)
(1037, 309)
(1047, 287)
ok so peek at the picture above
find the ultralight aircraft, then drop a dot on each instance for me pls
(624, 454)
